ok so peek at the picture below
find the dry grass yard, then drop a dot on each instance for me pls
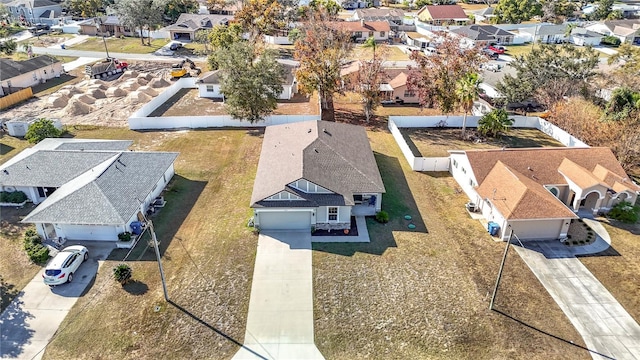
(434, 142)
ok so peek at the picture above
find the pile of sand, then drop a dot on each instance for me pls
(158, 83)
(138, 97)
(87, 99)
(142, 81)
(148, 90)
(146, 76)
(129, 74)
(96, 83)
(69, 90)
(58, 100)
(76, 107)
(96, 93)
(130, 85)
(115, 92)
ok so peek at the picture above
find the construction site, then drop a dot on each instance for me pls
(99, 102)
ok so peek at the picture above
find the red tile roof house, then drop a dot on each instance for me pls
(315, 174)
(537, 192)
(362, 30)
(394, 86)
(443, 15)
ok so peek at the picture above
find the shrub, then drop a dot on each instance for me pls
(37, 252)
(624, 212)
(610, 40)
(42, 129)
(382, 217)
(122, 273)
(14, 197)
(125, 236)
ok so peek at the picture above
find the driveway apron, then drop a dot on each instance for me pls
(606, 327)
(280, 319)
(29, 323)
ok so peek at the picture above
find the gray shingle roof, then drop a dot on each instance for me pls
(111, 198)
(335, 156)
(116, 145)
(481, 32)
(198, 21)
(49, 168)
(10, 69)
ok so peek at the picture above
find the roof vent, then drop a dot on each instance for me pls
(6, 171)
(308, 131)
(316, 150)
(326, 132)
(529, 168)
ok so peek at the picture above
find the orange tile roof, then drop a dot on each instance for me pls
(353, 26)
(444, 12)
(399, 80)
(516, 196)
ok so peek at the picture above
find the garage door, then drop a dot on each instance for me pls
(295, 220)
(537, 230)
(89, 232)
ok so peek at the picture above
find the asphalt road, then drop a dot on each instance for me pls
(101, 54)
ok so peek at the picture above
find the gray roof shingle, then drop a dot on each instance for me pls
(10, 69)
(111, 198)
(335, 156)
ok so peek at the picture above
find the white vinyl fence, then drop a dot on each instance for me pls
(140, 119)
(442, 163)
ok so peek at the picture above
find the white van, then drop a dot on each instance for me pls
(430, 51)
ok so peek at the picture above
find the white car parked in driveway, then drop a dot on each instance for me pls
(61, 268)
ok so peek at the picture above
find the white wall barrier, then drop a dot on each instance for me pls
(442, 163)
(278, 40)
(163, 97)
(192, 122)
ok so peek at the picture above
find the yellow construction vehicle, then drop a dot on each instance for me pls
(180, 70)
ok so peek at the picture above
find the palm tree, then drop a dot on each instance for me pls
(371, 43)
(467, 90)
(494, 123)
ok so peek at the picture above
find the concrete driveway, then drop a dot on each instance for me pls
(606, 327)
(29, 323)
(280, 318)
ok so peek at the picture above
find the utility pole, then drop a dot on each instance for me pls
(504, 258)
(156, 246)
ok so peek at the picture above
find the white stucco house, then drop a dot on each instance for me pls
(536, 192)
(25, 73)
(315, 174)
(34, 11)
(86, 189)
(209, 84)
(362, 30)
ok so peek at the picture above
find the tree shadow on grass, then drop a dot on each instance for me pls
(135, 287)
(219, 332)
(398, 202)
(5, 149)
(181, 195)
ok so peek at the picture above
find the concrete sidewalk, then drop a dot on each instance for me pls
(280, 319)
(606, 327)
(29, 323)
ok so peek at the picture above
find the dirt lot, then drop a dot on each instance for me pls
(436, 141)
(187, 102)
(102, 110)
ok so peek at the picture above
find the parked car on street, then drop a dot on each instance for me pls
(61, 268)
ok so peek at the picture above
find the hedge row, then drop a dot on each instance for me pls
(14, 197)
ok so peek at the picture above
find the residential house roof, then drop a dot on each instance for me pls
(488, 11)
(353, 26)
(624, 23)
(10, 69)
(107, 194)
(444, 12)
(379, 14)
(399, 80)
(335, 156)
(193, 22)
(481, 32)
(32, 3)
(517, 177)
(213, 77)
(518, 197)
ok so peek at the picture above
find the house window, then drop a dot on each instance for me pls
(41, 192)
(464, 171)
(210, 88)
(358, 34)
(370, 33)
(333, 214)
(455, 164)
(408, 93)
(382, 33)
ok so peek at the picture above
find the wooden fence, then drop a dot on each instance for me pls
(16, 97)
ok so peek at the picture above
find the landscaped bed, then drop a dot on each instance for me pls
(187, 102)
(434, 142)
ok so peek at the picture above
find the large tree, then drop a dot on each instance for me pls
(85, 8)
(250, 79)
(222, 37)
(516, 11)
(557, 11)
(628, 59)
(370, 76)
(173, 9)
(321, 51)
(141, 14)
(602, 11)
(260, 17)
(467, 90)
(436, 76)
(549, 73)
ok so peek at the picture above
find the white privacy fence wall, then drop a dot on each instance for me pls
(140, 119)
(419, 163)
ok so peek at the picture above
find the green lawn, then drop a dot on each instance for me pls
(127, 45)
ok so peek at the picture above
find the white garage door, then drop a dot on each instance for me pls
(281, 220)
(89, 232)
(537, 230)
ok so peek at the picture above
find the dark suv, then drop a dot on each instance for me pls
(492, 55)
